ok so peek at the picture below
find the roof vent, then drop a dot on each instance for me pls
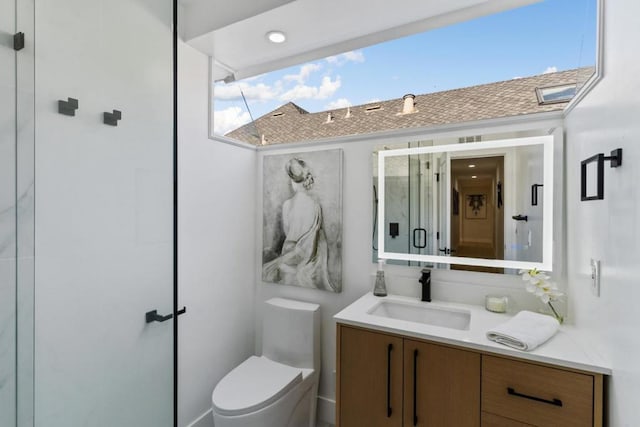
(346, 116)
(278, 114)
(373, 108)
(409, 105)
(329, 117)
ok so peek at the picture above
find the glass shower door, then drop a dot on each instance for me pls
(8, 312)
(104, 213)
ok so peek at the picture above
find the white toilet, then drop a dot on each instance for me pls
(279, 388)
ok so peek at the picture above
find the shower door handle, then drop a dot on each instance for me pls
(423, 239)
(153, 316)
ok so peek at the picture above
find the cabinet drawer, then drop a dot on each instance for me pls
(536, 395)
(492, 420)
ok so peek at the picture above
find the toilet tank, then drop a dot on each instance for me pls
(291, 333)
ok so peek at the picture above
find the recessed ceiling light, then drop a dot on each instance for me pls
(472, 166)
(474, 176)
(276, 37)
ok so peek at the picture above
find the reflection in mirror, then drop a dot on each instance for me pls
(463, 206)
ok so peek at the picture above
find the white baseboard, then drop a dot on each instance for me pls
(326, 410)
(204, 420)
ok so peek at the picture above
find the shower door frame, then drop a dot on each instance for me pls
(25, 214)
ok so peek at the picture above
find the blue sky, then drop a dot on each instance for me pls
(553, 35)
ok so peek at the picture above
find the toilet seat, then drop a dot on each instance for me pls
(254, 384)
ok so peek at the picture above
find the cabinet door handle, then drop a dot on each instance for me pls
(555, 402)
(389, 410)
(415, 387)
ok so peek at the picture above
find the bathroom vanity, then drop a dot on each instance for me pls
(397, 372)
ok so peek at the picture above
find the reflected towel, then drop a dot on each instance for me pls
(524, 331)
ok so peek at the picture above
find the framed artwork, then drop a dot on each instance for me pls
(476, 206)
(302, 219)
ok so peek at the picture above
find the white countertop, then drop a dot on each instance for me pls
(570, 347)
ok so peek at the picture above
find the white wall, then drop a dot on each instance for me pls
(216, 241)
(608, 230)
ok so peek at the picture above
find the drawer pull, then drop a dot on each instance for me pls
(389, 410)
(554, 402)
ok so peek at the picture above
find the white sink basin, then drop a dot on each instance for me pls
(423, 312)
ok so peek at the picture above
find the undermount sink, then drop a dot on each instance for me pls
(423, 313)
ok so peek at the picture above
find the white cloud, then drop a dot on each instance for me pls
(354, 56)
(258, 92)
(326, 89)
(338, 103)
(229, 119)
(299, 92)
(343, 58)
(303, 74)
(552, 69)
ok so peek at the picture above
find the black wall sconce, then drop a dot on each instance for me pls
(111, 119)
(534, 194)
(616, 160)
(68, 107)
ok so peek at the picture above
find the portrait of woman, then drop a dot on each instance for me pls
(302, 241)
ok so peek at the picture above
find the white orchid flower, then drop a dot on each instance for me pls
(538, 283)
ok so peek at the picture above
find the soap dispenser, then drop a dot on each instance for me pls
(380, 289)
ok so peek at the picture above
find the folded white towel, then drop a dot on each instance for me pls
(525, 331)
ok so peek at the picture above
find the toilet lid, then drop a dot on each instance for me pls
(255, 383)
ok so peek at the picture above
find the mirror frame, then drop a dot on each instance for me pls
(546, 141)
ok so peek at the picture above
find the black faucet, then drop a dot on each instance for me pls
(426, 285)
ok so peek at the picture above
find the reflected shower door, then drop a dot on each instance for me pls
(104, 213)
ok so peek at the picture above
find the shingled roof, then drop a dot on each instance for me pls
(291, 123)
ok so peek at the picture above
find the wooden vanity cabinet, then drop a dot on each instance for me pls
(369, 378)
(389, 380)
(441, 385)
(411, 383)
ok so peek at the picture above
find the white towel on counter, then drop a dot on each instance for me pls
(524, 331)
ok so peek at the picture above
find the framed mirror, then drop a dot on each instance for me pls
(478, 206)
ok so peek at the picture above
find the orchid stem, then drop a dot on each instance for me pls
(555, 313)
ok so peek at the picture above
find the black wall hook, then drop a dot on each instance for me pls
(18, 41)
(534, 194)
(111, 119)
(68, 107)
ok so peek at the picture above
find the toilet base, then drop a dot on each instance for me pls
(295, 409)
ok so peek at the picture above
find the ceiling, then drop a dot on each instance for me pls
(485, 167)
(233, 33)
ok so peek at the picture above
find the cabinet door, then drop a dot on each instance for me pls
(369, 379)
(441, 386)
